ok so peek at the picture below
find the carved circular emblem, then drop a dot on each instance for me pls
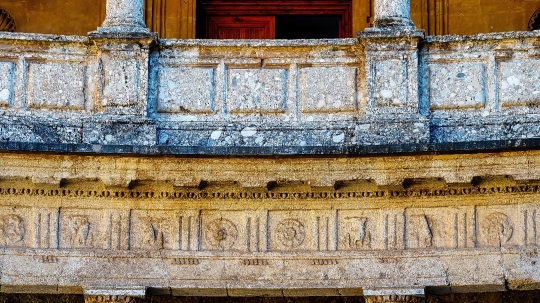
(7, 23)
(498, 228)
(291, 233)
(11, 229)
(534, 22)
(221, 234)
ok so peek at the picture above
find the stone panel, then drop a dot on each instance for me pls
(15, 227)
(56, 85)
(519, 82)
(328, 89)
(81, 228)
(257, 91)
(186, 90)
(121, 83)
(499, 226)
(7, 70)
(457, 85)
(391, 84)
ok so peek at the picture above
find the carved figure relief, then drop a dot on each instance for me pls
(80, 235)
(111, 299)
(422, 234)
(221, 234)
(291, 233)
(155, 233)
(12, 230)
(361, 237)
(7, 23)
(498, 228)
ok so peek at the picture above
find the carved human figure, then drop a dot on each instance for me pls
(360, 238)
(497, 228)
(80, 232)
(111, 299)
(12, 230)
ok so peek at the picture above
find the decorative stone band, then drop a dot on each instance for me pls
(394, 299)
(111, 299)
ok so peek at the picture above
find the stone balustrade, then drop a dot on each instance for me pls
(385, 91)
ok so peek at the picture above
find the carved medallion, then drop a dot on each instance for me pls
(7, 23)
(11, 230)
(498, 229)
(221, 234)
(291, 233)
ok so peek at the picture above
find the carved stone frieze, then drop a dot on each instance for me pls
(394, 299)
(111, 299)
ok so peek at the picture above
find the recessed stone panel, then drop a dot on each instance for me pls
(7, 70)
(186, 90)
(519, 82)
(391, 87)
(457, 85)
(254, 91)
(56, 85)
(499, 226)
(328, 89)
(121, 82)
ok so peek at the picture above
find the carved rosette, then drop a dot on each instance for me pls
(7, 23)
(111, 299)
(394, 299)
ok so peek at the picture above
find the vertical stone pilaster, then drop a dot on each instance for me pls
(393, 14)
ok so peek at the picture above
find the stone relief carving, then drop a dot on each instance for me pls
(79, 232)
(361, 238)
(291, 233)
(498, 228)
(111, 299)
(155, 232)
(7, 23)
(221, 234)
(394, 299)
(12, 230)
(422, 233)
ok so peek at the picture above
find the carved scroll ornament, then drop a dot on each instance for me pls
(7, 23)
(534, 22)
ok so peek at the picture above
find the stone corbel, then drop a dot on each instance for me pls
(130, 295)
(394, 296)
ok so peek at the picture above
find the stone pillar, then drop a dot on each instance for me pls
(124, 16)
(394, 295)
(393, 14)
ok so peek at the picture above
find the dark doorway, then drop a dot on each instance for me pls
(307, 26)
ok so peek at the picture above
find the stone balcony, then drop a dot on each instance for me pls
(380, 93)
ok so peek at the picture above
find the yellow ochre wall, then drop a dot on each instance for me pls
(176, 18)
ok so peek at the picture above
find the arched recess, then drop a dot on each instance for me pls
(7, 23)
(534, 22)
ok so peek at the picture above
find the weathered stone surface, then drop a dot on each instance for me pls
(6, 83)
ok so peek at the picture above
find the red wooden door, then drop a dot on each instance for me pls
(241, 27)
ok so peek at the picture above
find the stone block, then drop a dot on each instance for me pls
(519, 83)
(56, 85)
(7, 70)
(457, 85)
(119, 133)
(391, 83)
(256, 91)
(328, 89)
(121, 83)
(186, 90)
